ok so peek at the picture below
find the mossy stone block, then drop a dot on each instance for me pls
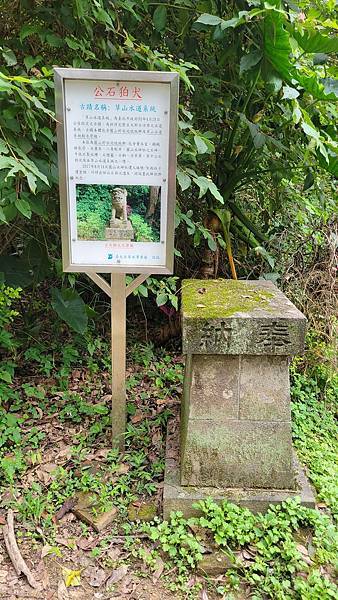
(237, 454)
(239, 317)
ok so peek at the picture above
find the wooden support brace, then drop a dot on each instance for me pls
(102, 283)
(118, 293)
(135, 283)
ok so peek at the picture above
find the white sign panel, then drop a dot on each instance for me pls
(117, 162)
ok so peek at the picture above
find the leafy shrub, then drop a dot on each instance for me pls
(143, 232)
(91, 227)
(314, 395)
(7, 342)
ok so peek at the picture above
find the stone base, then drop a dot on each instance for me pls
(85, 502)
(119, 233)
(178, 497)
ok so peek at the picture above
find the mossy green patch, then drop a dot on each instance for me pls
(219, 298)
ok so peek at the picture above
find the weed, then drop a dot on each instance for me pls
(175, 539)
(315, 431)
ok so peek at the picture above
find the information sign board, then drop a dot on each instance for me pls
(117, 168)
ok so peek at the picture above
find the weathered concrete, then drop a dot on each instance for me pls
(214, 387)
(239, 317)
(235, 418)
(183, 498)
(120, 233)
(264, 388)
(237, 454)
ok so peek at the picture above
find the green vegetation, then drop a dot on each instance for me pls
(94, 210)
(257, 149)
(315, 431)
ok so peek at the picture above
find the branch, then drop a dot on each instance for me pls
(14, 552)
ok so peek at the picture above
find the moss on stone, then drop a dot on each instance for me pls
(219, 298)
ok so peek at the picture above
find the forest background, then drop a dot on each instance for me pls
(256, 197)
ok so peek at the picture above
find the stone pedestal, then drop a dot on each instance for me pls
(235, 418)
(119, 230)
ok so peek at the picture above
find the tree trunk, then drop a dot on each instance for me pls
(153, 199)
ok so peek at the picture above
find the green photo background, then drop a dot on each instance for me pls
(94, 208)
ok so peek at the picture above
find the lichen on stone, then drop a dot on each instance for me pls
(219, 298)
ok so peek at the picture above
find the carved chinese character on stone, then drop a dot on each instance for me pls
(120, 227)
(274, 335)
(213, 336)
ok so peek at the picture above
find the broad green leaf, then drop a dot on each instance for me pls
(250, 60)
(315, 87)
(310, 130)
(16, 271)
(232, 23)
(183, 179)
(23, 207)
(10, 212)
(72, 43)
(54, 40)
(160, 18)
(290, 93)
(203, 184)
(207, 19)
(206, 184)
(242, 17)
(312, 41)
(201, 146)
(211, 243)
(3, 147)
(5, 376)
(6, 162)
(37, 206)
(48, 133)
(296, 112)
(258, 138)
(3, 217)
(142, 290)
(278, 50)
(70, 307)
(161, 299)
(277, 46)
(331, 166)
(9, 57)
(214, 191)
(30, 61)
(31, 182)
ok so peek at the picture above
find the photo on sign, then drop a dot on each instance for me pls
(118, 212)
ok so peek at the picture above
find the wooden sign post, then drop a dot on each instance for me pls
(116, 133)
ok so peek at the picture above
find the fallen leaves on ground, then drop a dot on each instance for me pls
(159, 568)
(117, 575)
(71, 577)
(95, 576)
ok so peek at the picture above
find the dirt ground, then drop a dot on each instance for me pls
(94, 580)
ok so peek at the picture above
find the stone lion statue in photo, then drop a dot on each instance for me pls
(120, 228)
(119, 206)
